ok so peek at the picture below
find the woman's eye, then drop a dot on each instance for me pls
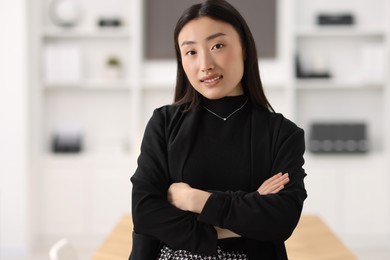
(218, 46)
(190, 53)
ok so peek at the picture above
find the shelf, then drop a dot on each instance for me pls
(160, 83)
(339, 31)
(159, 86)
(52, 160)
(63, 33)
(90, 85)
(331, 84)
(345, 161)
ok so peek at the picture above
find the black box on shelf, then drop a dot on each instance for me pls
(335, 19)
(109, 22)
(62, 144)
(338, 138)
(67, 138)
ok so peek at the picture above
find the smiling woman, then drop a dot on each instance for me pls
(220, 173)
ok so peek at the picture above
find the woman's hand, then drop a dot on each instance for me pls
(183, 197)
(225, 233)
(274, 184)
(178, 195)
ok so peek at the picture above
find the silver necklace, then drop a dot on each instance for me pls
(226, 118)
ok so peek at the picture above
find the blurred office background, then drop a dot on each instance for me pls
(80, 78)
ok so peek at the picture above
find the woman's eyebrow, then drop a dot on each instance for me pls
(215, 35)
(209, 38)
(187, 43)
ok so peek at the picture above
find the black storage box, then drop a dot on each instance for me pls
(338, 138)
(333, 19)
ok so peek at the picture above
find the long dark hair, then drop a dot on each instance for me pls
(223, 11)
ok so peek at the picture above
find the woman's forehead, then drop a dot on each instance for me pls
(205, 28)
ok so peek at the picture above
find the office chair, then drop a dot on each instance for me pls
(63, 250)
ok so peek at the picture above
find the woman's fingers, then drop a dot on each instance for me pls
(274, 184)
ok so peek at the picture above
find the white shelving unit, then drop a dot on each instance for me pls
(82, 195)
(344, 189)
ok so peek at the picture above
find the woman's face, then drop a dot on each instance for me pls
(212, 57)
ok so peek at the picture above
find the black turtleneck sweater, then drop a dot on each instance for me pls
(220, 157)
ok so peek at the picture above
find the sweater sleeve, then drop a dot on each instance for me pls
(152, 214)
(265, 217)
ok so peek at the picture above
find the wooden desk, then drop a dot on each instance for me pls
(117, 245)
(312, 240)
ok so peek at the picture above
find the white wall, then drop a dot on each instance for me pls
(13, 130)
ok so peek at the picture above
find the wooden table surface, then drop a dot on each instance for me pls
(311, 240)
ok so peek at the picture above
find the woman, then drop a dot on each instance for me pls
(220, 173)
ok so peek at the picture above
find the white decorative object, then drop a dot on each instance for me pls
(319, 64)
(372, 62)
(65, 12)
(63, 64)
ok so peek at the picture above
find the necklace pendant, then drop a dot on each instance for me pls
(226, 118)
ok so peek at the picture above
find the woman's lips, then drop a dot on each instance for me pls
(211, 79)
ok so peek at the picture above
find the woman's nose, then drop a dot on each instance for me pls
(207, 68)
(207, 63)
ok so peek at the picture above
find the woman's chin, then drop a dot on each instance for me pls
(212, 95)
